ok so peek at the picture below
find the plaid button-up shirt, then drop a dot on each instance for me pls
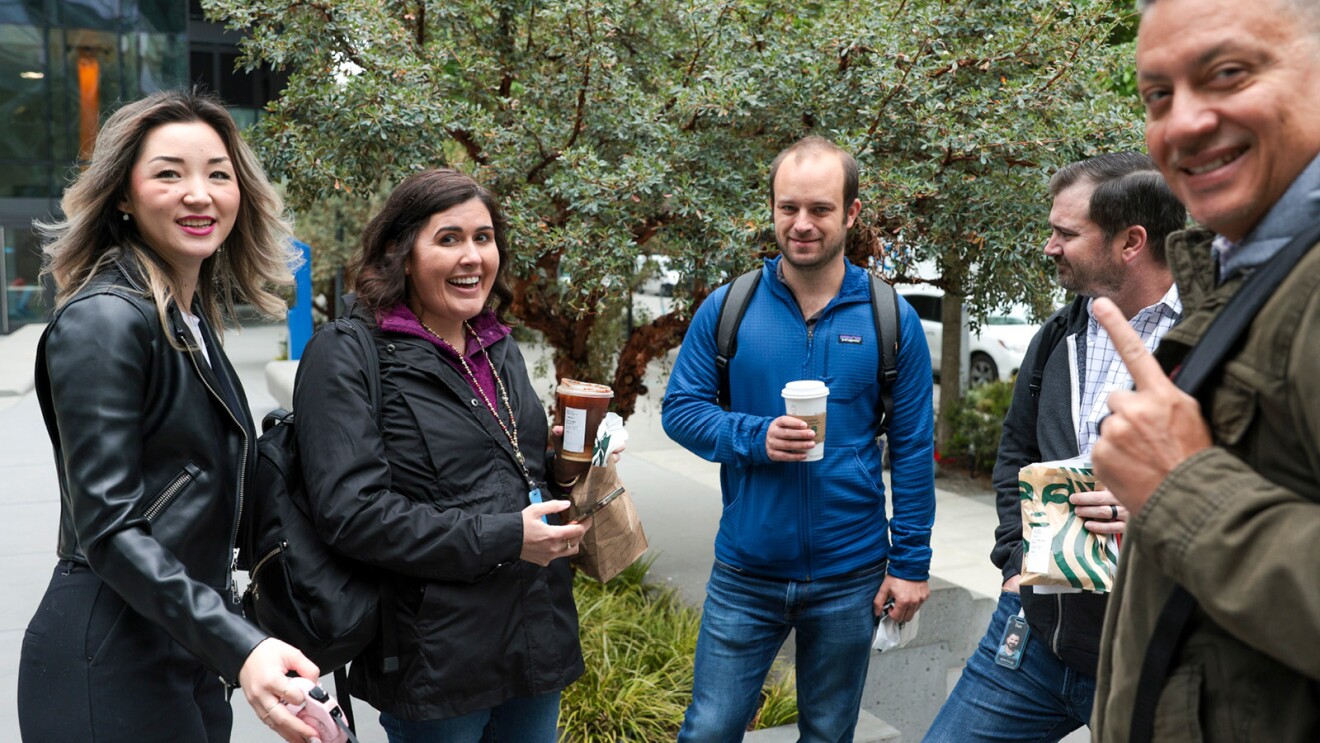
(1103, 369)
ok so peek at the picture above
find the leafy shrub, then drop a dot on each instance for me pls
(975, 424)
(638, 642)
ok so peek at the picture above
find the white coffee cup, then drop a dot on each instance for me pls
(805, 400)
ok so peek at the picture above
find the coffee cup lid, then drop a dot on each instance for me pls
(583, 389)
(805, 389)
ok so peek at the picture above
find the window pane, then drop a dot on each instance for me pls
(92, 63)
(28, 12)
(25, 295)
(24, 93)
(201, 69)
(26, 180)
(163, 64)
(97, 14)
(237, 87)
(163, 16)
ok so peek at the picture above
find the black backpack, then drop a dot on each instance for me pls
(301, 591)
(884, 308)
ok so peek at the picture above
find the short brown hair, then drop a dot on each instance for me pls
(1129, 190)
(387, 242)
(816, 145)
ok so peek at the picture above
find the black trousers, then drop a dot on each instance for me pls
(94, 670)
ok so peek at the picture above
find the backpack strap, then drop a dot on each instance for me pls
(726, 327)
(884, 309)
(1220, 339)
(371, 364)
(370, 359)
(1053, 332)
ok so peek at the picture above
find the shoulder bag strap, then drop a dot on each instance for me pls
(1221, 338)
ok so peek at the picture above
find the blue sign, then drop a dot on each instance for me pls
(300, 314)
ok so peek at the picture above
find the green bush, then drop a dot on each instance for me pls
(638, 642)
(975, 424)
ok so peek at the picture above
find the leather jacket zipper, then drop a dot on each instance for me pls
(167, 495)
(242, 469)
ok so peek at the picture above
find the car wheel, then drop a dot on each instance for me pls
(982, 370)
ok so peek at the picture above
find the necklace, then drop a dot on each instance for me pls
(510, 433)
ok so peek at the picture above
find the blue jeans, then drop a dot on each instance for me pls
(1042, 700)
(744, 623)
(519, 720)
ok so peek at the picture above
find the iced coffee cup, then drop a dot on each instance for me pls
(805, 400)
(581, 408)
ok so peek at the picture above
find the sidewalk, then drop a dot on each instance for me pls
(676, 493)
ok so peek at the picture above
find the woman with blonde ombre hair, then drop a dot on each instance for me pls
(171, 223)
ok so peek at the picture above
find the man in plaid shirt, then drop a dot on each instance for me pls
(1108, 223)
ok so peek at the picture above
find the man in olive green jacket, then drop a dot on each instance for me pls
(1230, 507)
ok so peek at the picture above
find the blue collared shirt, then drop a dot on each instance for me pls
(1296, 209)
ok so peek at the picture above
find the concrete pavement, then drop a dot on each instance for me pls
(677, 495)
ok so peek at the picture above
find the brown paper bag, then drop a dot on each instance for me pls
(615, 539)
(1057, 548)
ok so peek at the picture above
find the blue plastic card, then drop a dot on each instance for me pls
(535, 497)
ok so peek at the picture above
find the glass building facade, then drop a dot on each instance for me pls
(65, 65)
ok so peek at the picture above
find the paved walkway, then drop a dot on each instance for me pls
(676, 493)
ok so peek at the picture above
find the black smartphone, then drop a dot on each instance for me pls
(594, 507)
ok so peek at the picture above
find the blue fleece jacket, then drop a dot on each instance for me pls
(810, 520)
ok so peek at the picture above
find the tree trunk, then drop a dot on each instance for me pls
(950, 366)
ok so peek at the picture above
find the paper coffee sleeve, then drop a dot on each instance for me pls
(1058, 549)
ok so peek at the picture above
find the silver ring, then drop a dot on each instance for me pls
(1113, 513)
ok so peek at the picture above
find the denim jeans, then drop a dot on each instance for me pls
(1042, 700)
(744, 623)
(519, 720)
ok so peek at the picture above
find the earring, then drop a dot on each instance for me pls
(125, 216)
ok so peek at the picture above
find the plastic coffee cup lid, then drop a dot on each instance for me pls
(583, 389)
(805, 389)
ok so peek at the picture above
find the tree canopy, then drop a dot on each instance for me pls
(616, 128)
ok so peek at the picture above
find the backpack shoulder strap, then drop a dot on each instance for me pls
(346, 323)
(389, 618)
(1053, 332)
(370, 359)
(884, 309)
(726, 327)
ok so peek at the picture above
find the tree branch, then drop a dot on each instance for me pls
(579, 115)
(690, 72)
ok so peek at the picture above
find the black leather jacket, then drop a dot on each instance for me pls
(154, 448)
(435, 502)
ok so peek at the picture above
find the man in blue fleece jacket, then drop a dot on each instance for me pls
(805, 545)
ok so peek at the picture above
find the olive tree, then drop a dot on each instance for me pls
(616, 128)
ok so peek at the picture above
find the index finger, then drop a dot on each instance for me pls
(1145, 370)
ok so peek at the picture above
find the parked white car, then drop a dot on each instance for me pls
(659, 279)
(996, 351)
